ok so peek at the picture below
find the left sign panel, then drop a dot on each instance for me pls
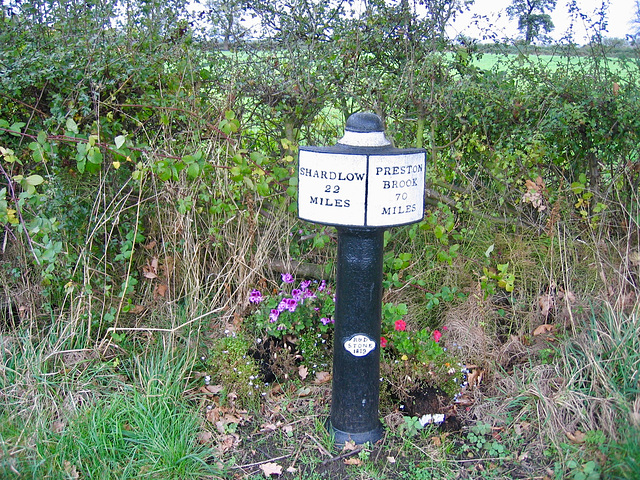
(332, 188)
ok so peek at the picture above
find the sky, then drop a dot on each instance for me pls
(620, 14)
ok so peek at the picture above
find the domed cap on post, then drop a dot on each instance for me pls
(364, 130)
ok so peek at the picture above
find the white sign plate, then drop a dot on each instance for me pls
(396, 189)
(359, 345)
(332, 188)
(365, 190)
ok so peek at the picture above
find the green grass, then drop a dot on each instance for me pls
(133, 412)
(101, 419)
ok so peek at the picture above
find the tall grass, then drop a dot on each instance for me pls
(76, 414)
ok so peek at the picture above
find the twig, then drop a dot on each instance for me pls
(342, 456)
(169, 330)
(255, 464)
(322, 449)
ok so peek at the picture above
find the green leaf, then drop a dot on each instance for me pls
(577, 188)
(42, 137)
(71, 125)
(94, 156)
(34, 180)
(194, 170)
(17, 127)
(119, 140)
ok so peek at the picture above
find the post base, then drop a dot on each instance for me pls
(340, 437)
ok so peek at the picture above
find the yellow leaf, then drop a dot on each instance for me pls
(11, 216)
(116, 165)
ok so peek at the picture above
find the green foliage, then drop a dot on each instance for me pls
(231, 366)
(479, 441)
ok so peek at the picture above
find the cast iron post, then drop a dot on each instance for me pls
(361, 186)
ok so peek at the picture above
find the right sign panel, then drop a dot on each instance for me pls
(395, 190)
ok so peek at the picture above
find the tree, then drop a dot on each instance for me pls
(226, 18)
(532, 16)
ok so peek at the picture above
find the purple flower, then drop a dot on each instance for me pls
(322, 286)
(282, 306)
(308, 294)
(287, 278)
(305, 284)
(296, 294)
(255, 296)
(273, 315)
(326, 321)
(291, 304)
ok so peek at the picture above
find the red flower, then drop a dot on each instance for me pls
(400, 325)
(383, 342)
(437, 335)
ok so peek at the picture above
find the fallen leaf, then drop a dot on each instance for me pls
(160, 290)
(475, 376)
(391, 459)
(303, 372)
(304, 392)
(268, 427)
(70, 470)
(349, 446)
(227, 442)
(436, 441)
(352, 461)
(204, 437)
(150, 245)
(271, 469)
(57, 426)
(213, 389)
(288, 429)
(292, 469)
(544, 328)
(138, 309)
(546, 302)
(322, 377)
(576, 437)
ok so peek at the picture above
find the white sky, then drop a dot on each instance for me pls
(619, 19)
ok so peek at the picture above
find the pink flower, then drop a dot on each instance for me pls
(400, 325)
(383, 342)
(437, 335)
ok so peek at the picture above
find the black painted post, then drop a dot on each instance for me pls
(356, 377)
(361, 186)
